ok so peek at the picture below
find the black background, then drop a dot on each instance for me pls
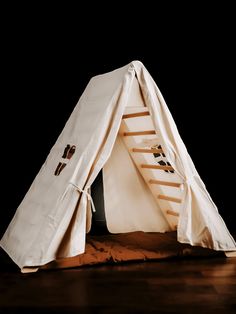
(48, 58)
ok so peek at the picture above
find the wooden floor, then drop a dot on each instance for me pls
(190, 285)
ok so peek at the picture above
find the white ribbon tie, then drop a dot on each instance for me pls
(89, 197)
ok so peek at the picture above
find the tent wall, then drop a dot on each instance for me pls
(129, 204)
(44, 228)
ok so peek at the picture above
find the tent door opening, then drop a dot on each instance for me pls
(137, 190)
(99, 225)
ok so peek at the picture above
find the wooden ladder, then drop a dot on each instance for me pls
(161, 197)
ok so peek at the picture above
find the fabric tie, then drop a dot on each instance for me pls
(190, 179)
(89, 197)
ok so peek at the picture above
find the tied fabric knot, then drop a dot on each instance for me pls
(89, 197)
(190, 179)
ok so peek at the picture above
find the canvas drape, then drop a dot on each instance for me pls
(51, 220)
(199, 221)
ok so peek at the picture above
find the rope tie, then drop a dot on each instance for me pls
(89, 197)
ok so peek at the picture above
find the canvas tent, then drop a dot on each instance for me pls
(121, 125)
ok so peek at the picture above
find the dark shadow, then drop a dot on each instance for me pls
(99, 226)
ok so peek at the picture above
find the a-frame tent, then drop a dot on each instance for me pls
(122, 125)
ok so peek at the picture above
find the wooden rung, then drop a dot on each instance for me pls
(171, 212)
(149, 151)
(149, 132)
(174, 184)
(169, 198)
(136, 114)
(157, 167)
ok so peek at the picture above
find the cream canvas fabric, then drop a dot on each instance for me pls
(55, 214)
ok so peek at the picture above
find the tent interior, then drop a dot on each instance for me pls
(137, 190)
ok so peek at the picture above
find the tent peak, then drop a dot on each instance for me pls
(136, 62)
